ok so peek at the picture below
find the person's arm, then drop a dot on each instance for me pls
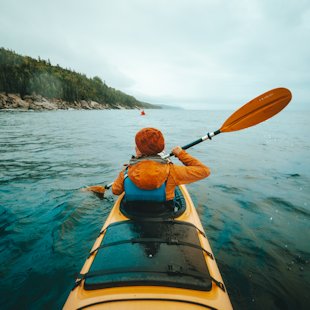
(118, 184)
(193, 170)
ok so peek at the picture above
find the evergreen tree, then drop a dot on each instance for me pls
(26, 76)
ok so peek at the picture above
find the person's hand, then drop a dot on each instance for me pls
(177, 150)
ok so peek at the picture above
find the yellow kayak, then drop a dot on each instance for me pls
(151, 262)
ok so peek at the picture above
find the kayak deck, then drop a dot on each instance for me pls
(150, 263)
(160, 253)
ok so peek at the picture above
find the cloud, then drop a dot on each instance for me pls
(199, 53)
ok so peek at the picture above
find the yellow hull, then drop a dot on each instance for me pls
(152, 297)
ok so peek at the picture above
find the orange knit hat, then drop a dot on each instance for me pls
(150, 141)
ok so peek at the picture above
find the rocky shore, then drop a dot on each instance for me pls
(39, 103)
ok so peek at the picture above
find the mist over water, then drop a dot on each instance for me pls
(254, 206)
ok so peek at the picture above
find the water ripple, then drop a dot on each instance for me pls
(254, 207)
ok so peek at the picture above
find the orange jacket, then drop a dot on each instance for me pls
(148, 174)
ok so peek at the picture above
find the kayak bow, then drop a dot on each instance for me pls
(150, 263)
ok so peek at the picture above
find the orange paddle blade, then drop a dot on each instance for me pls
(258, 110)
(95, 189)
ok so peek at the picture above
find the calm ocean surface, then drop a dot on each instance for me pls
(254, 207)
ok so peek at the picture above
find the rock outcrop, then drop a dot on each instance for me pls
(39, 103)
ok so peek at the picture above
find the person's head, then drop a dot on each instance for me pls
(150, 141)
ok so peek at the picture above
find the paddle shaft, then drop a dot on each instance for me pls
(208, 136)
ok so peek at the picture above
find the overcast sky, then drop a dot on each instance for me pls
(189, 53)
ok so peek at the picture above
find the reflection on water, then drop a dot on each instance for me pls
(254, 206)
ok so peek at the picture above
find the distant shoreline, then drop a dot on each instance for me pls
(40, 103)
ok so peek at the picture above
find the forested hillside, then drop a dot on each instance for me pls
(24, 75)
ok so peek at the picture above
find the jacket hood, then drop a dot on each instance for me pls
(148, 174)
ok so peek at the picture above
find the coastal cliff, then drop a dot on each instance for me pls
(35, 84)
(40, 103)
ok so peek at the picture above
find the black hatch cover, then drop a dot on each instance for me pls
(160, 253)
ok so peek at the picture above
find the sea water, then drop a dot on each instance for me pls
(254, 207)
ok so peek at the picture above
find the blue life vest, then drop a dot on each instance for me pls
(134, 193)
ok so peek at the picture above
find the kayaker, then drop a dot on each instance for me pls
(149, 177)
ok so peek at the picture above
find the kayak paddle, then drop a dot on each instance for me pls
(252, 113)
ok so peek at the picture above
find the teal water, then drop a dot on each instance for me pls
(254, 207)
